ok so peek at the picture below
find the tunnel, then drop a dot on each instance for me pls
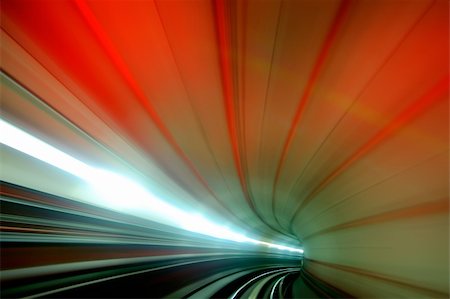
(224, 149)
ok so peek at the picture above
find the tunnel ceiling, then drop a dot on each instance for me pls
(287, 118)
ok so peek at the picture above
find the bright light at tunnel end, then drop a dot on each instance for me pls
(112, 188)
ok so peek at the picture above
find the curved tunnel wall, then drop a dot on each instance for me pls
(321, 124)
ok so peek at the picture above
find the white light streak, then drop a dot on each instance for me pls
(120, 193)
(30, 145)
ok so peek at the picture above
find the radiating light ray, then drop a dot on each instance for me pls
(119, 193)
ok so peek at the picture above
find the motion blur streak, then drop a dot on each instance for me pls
(111, 190)
(195, 148)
